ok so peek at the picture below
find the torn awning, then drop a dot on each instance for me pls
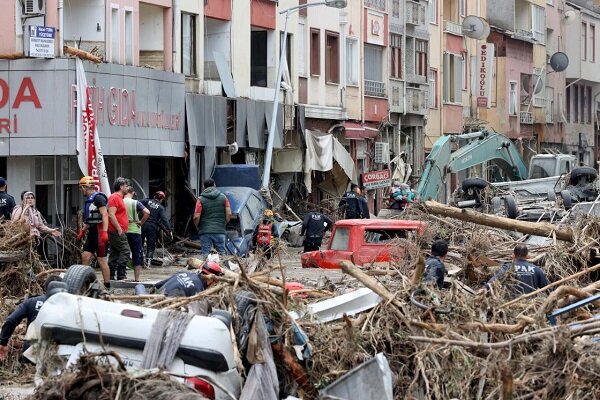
(356, 131)
(321, 152)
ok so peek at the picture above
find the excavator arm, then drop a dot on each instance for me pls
(486, 146)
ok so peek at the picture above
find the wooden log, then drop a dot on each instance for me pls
(532, 228)
(11, 56)
(84, 55)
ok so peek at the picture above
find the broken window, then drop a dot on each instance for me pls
(340, 239)
(258, 58)
(384, 236)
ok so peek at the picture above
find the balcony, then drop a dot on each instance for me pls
(396, 96)
(416, 13)
(526, 118)
(411, 77)
(453, 28)
(416, 101)
(376, 4)
(374, 88)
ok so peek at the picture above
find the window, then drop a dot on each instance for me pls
(433, 9)
(128, 37)
(115, 30)
(396, 8)
(452, 78)
(421, 58)
(315, 52)
(592, 43)
(588, 103)
(463, 66)
(575, 103)
(568, 104)
(188, 44)
(383, 236)
(301, 42)
(258, 58)
(254, 203)
(332, 57)
(396, 56)
(288, 51)
(462, 4)
(549, 104)
(512, 98)
(538, 23)
(352, 61)
(433, 100)
(340, 238)
(582, 104)
(373, 64)
(583, 41)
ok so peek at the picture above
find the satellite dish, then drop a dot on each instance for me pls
(569, 17)
(475, 27)
(233, 148)
(559, 61)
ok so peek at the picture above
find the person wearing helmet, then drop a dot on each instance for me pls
(117, 230)
(211, 215)
(158, 220)
(264, 233)
(95, 214)
(189, 283)
(28, 308)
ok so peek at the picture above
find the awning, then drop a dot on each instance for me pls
(356, 131)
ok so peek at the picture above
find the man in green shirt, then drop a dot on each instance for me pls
(134, 230)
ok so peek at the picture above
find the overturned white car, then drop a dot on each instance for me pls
(203, 354)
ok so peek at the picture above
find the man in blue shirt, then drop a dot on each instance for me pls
(434, 265)
(528, 277)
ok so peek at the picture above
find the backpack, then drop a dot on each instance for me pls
(264, 235)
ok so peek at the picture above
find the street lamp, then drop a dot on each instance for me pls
(268, 156)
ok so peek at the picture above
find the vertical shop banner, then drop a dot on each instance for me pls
(483, 88)
(89, 151)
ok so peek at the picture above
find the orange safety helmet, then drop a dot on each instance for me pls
(87, 182)
(268, 213)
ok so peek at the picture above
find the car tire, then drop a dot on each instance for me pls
(551, 195)
(565, 195)
(478, 183)
(510, 207)
(78, 278)
(590, 173)
(496, 204)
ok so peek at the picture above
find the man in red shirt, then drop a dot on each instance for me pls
(117, 229)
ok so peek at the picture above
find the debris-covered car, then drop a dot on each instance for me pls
(77, 324)
(363, 241)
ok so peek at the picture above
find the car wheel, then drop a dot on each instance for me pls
(78, 278)
(510, 206)
(496, 204)
(582, 172)
(551, 195)
(565, 195)
(478, 183)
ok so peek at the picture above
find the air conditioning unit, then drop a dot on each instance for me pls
(382, 153)
(35, 7)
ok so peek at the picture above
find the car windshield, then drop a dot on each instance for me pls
(339, 241)
(383, 236)
(542, 168)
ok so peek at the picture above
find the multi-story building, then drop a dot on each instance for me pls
(139, 111)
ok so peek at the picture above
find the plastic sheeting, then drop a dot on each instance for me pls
(321, 152)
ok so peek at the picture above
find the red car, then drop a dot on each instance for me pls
(362, 241)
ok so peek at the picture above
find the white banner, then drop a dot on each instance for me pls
(483, 87)
(89, 151)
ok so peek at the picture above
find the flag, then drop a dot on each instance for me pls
(89, 151)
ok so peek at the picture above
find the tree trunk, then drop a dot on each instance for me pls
(494, 221)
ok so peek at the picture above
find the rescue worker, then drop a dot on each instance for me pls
(28, 308)
(96, 218)
(211, 215)
(400, 196)
(264, 233)
(158, 221)
(529, 277)
(134, 230)
(313, 228)
(117, 229)
(189, 283)
(7, 202)
(434, 265)
(351, 203)
(27, 212)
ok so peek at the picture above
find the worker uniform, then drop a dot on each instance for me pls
(314, 226)
(434, 271)
(157, 220)
(530, 277)
(95, 243)
(352, 205)
(29, 309)
(181, 284)
(7, 203)
(263, 234)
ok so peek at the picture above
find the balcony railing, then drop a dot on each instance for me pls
(453, 27)
(377, 4)
(526, 118)
(538, 102)
(415, 13)
(374, 88)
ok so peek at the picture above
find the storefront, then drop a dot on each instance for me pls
(140, 121)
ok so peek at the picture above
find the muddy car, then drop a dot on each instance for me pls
(363, 241)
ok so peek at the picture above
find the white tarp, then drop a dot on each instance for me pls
(321, 150)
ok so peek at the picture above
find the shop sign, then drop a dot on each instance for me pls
(377, 179)
(39, 41)
(483, 88)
